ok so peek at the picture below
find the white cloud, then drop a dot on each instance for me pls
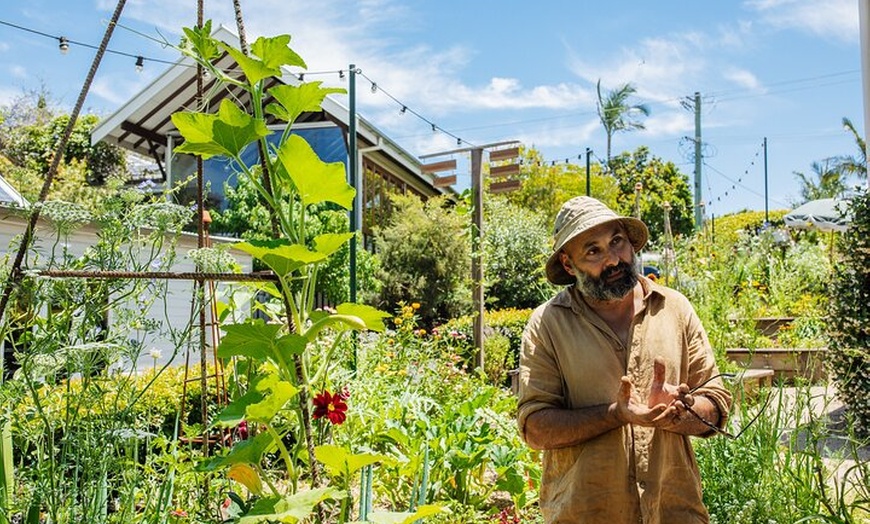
(836, 19)
(18, 71)
(743, 78)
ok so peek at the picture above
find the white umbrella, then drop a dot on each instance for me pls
(824, 214)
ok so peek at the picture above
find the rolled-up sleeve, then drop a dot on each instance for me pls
(541, 385)
(702, 368)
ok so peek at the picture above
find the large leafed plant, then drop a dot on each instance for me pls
(290, 360)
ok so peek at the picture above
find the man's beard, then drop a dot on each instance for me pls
(598, 288)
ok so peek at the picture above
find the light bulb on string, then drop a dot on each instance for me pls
(403, 110)
(140, 64)
(341, 75)
(63, 45)
(374, 87)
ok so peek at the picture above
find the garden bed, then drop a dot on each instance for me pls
(786, 363)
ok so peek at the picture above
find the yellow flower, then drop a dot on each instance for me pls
(415, 305)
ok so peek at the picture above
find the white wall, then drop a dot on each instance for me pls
(171, 309)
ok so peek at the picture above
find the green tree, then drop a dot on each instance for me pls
(516, 243)
(849, 348)
(424, 254)
(854, 164)
(661, 182)
(546, 186)
(617, 114)
(30, 128)
(827, 180)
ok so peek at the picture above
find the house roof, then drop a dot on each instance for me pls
(143, 124)
(9, 196)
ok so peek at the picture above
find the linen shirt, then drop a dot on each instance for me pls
(572, 359)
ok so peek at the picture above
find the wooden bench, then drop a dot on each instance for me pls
(750, 381)
(786, 363)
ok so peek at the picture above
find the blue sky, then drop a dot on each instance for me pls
(488, 71)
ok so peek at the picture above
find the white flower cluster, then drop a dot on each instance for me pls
(65, 216)
(163, 216)
(214, 260)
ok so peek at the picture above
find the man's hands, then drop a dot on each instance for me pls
(666, 405)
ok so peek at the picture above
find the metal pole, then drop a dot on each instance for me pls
(864, 24)
(476, 246)
(766, 214)
(588, 188)
(352, 171)
(699, 217)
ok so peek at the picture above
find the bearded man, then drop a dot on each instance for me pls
(616, 373)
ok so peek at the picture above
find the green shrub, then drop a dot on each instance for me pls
(507, 323)
(424, 258)
(849, 349)
(516, 247)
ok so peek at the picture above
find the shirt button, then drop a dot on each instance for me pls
(642, 484)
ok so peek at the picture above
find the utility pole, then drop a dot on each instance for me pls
(766, 214)
(699, 217)
(864, 26)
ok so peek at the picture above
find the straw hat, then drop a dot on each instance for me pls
(578, 215)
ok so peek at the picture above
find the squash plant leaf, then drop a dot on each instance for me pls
(292, 101)
(393, 517)
(292, 509)
(275, 52)
(340, 463)
(248, 451)
(373, 317)
(253, 339)
(198, 42)
(253, 68)
(234, 413)
(281, 256)
(329, 243)
(315, 180)
(226, 133)
(279, 392)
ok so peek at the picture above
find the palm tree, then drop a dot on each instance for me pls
(617, 114)
(854, 164)
(826, 181)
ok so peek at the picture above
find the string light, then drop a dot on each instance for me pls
(63, 45)
(301, 77)
(374, 87)
(140, 64)
(341, 75)
(403, 110)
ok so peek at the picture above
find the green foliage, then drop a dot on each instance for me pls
(616, 114)
(424, 257)
(30, 129)
(756, 277)
(727, 230)
(246, 217)
(545, 187)
(781, 469)
(516, 245)
(504, 325)
(661, 182)
(849, 350)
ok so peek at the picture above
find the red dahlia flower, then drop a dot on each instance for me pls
(330, 406)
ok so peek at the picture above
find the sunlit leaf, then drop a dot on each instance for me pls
(292, 101)
(391, 517)
(253, 339)
(315, 180)
(290, 509)
(247, 476)
(198, 42)
(281, 256)
(329, 243)
(248, 451)
(226, 133)
(275, 51)
(339, 462)
(372, 317)
(279, 392)
(253, 68)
